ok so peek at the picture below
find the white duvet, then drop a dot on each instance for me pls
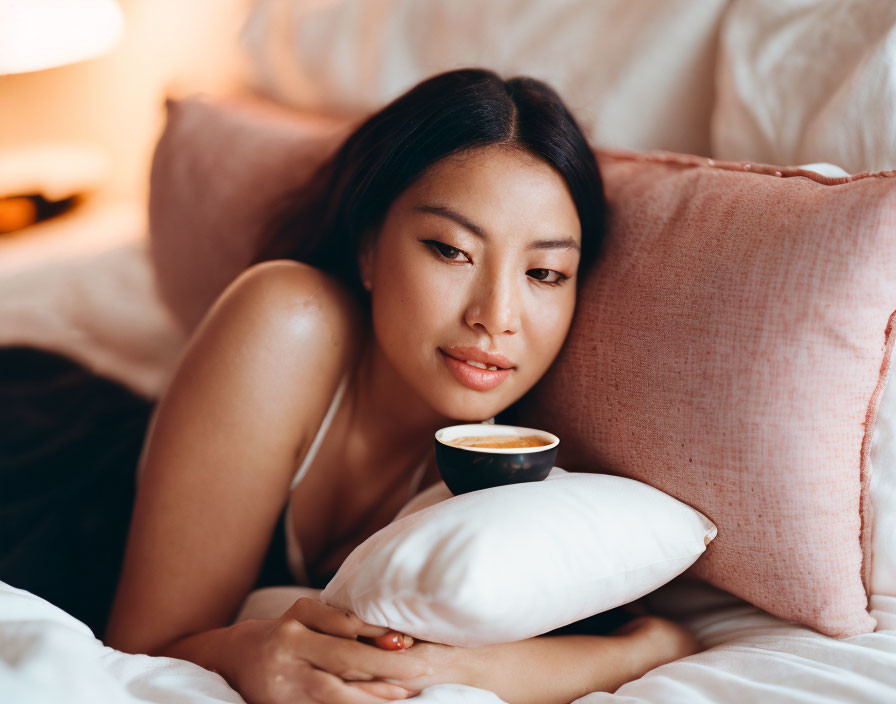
(47, 656)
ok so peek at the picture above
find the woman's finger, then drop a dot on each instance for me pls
(324, 688)
(384, 689)
(350, 659)
(324, 618)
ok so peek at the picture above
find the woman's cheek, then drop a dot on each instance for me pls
(436, 295)
(547, 329)
(397, 295)
(415, 312)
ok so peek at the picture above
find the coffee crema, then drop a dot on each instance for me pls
(498, 442)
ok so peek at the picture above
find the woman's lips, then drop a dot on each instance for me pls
(474, 377)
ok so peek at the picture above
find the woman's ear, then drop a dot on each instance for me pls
(365, 259)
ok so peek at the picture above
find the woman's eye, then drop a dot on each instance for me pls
(446, 251)
(547, 276)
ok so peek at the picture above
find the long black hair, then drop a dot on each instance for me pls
(323, 221)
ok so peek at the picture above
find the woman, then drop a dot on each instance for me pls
(451, 230)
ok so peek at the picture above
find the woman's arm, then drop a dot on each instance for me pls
(219, 453)
(559, 669)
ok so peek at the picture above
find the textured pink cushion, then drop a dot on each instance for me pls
(729, 349)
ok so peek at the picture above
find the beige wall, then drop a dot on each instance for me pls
(170, 47)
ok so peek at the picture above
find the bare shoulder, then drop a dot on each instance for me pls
(299, 325)
(284, 328)
(294, 295)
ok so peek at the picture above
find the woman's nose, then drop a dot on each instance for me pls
(495, 305)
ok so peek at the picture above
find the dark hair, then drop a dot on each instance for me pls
(322, 223)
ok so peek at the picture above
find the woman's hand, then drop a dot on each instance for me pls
(449, 664)
(311, 654)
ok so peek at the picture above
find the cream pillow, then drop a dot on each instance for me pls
(807, 81)
(512, 562)
(618, 64)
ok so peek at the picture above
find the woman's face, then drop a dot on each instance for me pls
(476, 261)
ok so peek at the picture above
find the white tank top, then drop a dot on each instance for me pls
(294, 557)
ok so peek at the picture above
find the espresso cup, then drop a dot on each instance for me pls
(466, 468)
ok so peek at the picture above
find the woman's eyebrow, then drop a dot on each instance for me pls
(462, 220)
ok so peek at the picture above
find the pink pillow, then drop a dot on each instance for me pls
(730, 348)
(217, 170)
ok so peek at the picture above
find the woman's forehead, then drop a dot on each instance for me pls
(494, 189)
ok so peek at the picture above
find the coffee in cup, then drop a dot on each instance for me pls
(499, 441)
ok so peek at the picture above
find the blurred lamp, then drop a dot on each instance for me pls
(43, 180)
(40, 34)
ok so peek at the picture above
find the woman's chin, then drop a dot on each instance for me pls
(468, 406)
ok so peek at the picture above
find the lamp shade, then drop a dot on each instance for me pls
(39, 34)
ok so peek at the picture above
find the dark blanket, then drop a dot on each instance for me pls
(69, 444)
(70, 441)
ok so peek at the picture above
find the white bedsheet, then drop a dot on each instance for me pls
(753, 656)
(47, 656)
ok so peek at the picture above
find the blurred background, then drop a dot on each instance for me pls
(91, 123)
(93, 260)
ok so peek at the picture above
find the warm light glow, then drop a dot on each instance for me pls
(55, 170)
(39, 34)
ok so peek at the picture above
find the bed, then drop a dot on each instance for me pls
(47, 656)
(687, 60)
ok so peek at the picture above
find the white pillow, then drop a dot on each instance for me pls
(636, 75)
(512, 562)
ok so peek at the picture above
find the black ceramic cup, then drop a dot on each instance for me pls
(467, 469)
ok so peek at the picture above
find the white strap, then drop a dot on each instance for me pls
(321, 432)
